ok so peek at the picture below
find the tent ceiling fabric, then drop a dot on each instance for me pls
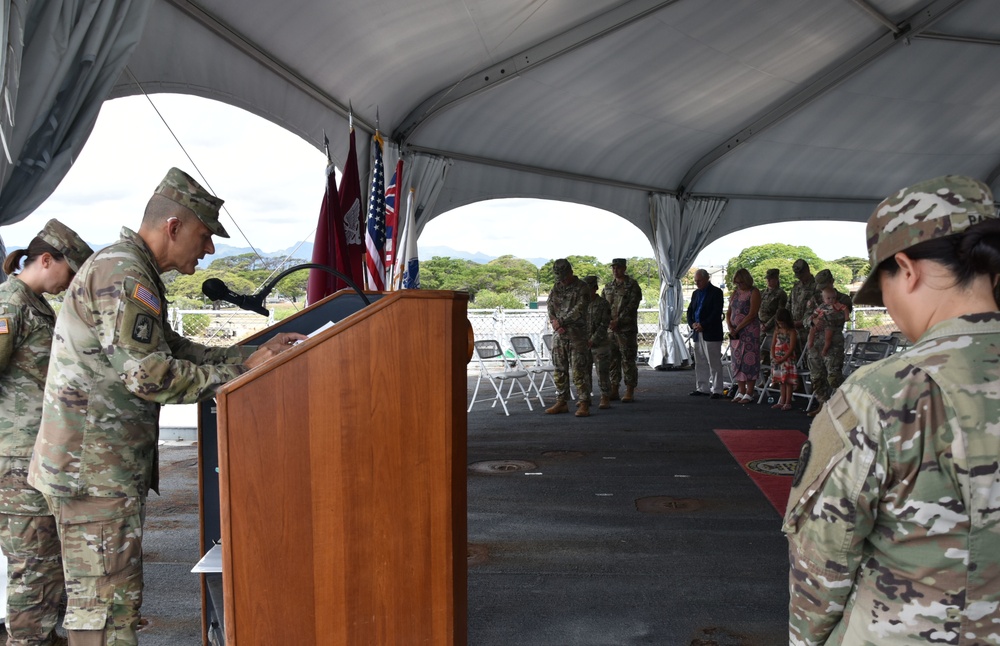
(791, 109)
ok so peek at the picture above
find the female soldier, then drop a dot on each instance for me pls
(27, 529)
(894, 516)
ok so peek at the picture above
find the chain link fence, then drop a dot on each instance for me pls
(228, 326)
(217, 327)
(501, 324)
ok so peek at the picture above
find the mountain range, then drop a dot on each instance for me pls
(304, 252)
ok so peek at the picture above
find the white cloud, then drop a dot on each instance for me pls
(272, 182)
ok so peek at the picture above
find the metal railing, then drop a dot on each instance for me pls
(228, 326)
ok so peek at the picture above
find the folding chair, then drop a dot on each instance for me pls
(524, 349)
(764, 378)
(486, 350)
(867, 352)
(901, 341)
(805, 379)
(727, 365)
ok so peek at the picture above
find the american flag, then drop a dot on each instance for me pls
(375, 234)
(392, 220)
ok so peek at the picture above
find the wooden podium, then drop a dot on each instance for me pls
(341, 480)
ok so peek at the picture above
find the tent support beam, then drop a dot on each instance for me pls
(536, 170)
(539, 54)
(243, 44)
(914, 25)
(878, 16)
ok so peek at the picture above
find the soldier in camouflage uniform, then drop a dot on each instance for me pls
(598, 319)
(115, 361)
(798, 301)
(567, 310)
(771, 300)
(893, 520)
(826, 364)
(624, 296)
(28, 533)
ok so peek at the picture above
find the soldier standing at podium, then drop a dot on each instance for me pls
(115, 361)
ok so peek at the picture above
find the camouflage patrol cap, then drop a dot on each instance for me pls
(66, 240)
(561, 268)
(934, 208)
(800, 266)
(619, 262)
(180, 187)
(824, 278)
(772, 273)
(591, 280)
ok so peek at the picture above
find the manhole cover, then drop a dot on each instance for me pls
(478, 553)
(563, 455)
(667, 505)
(499, 467)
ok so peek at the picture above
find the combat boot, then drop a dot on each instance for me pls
(605, 402)
(629, 391)
(583, 409)
(559, 407)
(614, 393)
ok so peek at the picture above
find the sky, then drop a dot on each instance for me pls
(273, 183)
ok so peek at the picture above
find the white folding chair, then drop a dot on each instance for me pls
(489, 350)
(726, 361)
(524, 350)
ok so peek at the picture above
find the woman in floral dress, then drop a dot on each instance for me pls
(744, 335)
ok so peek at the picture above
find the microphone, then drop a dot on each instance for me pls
(217, 290)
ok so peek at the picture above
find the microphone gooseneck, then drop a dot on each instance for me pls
(217, 290)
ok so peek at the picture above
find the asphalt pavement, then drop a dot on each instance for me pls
(632, 526)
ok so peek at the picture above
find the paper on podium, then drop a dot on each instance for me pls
(211, 562)
(325, 326)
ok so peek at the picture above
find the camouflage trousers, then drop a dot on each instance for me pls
(826, 373)
(624, 350)
(34, 577)
(570, 355)
(102, 563)
(602, 361)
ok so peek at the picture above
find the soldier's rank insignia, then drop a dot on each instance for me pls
(142, 331)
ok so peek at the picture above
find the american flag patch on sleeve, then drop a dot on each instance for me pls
(146, 296)
(4, 326)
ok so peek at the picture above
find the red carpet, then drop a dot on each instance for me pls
(768, 457)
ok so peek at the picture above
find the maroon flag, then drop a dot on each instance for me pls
(354, 220)
(328, 244)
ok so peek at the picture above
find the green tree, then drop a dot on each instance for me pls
(508, 274)
(646, 272)
(757, 260)
(455, 274)
(488, 299)
(582, 266)
(859, 267)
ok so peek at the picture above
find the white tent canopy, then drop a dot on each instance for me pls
(776, 109)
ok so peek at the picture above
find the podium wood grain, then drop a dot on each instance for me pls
(342, 476)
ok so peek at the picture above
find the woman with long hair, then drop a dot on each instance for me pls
(28, 535)
(893, 520)
(744, 334)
